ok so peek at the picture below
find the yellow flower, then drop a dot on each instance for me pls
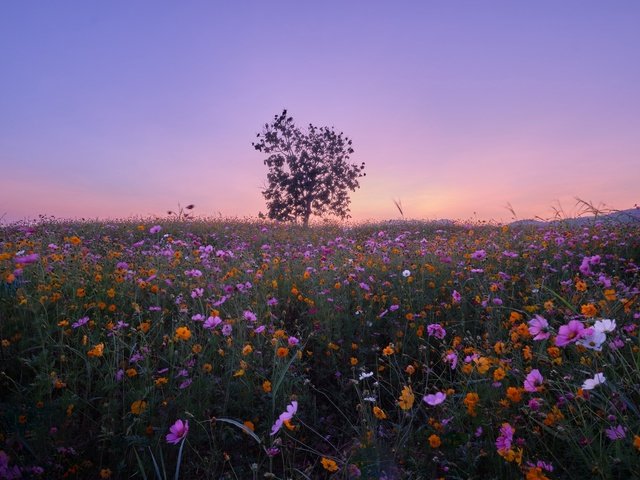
(96, 351)
(379, 413)
(138, 407)
(406, 399)
(434, 441)
(329, 465)
(183, 333)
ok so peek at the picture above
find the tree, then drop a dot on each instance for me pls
(309, 173)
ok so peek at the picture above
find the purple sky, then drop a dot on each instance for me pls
(127, 108)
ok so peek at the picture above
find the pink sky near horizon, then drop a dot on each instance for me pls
(117, 110)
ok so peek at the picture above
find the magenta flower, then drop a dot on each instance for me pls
(451, 359)
(539, 328)
(616, 433)
(435, 399)
(571, 332)
(178, 431)
(27, 259)
(456, 297)
(285, 416)
(479, 254)
(155, 229)
(436, 330)
(503, 442)
(533, 381)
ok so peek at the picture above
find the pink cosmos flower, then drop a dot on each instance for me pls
(452, 360)
(503, 442)
(479, 254)
(616, 433)
(178, 431)
(533, 381)
(571, 332)
(436, 330)
(155, 229)
(435, 399)
(539, 328)
(287, 415)
(455, 295)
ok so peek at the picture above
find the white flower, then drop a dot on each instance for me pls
(364, 375)
(406, 273)
(591, 383)
(604, 325)
(593, 341)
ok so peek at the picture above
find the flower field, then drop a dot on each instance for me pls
(231, 349)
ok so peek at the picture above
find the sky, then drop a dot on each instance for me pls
(459, 109)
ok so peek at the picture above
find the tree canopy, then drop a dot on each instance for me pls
(309, 172)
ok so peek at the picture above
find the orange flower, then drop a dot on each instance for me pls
(247, 349)
(160, 381)
(514, 394)
(482, 365)
(636, 442)
(379, 413)
(183, 333)
(434, 441)
(406, 398)
(388, 350)
(470, 401)
(266, 386)
(138, 407)
(96, 351)
(535, 473)
(589, 310)
(282, 352)
(499, 374)
(329, 465)
(249, 424)
(131, 372)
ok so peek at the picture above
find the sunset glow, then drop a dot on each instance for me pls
(120, 109)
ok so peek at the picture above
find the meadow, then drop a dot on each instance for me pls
(243, 349)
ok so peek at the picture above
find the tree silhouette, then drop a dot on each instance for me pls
(309, 173)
